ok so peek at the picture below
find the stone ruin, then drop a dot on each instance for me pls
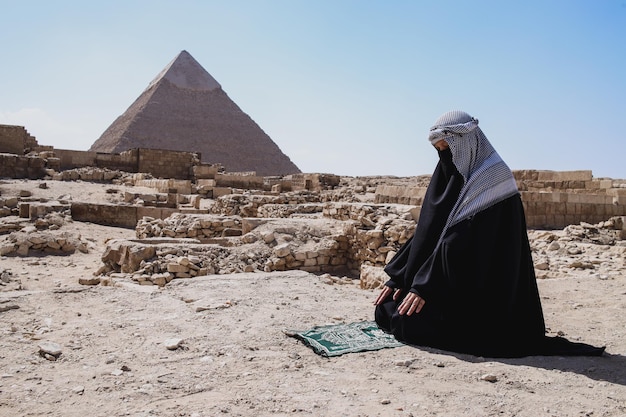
(341, 230)
(338, 240)
(201, 220)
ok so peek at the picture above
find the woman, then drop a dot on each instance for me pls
(465, 281)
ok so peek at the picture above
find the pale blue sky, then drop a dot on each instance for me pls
(349, 87)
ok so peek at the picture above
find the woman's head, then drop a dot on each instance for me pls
(460, 132)
(452, 123)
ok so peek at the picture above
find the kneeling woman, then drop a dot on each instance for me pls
(465, 281)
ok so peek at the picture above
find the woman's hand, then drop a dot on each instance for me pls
(412, 303)
(385, 293)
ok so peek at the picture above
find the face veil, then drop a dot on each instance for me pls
(488, 180)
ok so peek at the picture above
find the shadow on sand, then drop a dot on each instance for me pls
(608, 367)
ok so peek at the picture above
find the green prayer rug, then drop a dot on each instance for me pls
(337, 339)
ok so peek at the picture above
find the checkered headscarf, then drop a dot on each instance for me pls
(488, 180)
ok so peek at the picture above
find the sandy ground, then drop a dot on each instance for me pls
(234, 359)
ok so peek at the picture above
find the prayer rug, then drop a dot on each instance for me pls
(337, 339)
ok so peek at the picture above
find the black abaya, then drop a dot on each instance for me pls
(478, 280)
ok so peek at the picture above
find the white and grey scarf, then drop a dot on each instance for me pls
(488, 180)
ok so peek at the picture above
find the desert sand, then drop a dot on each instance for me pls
(215, 345)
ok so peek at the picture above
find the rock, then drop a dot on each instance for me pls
(5, 276)
(372, 277)
(489, 378)
(554, 246)
(89, 280)
(268, 237)
(172, 344)
(7, 307)
(404, 362)
(50, 348)
(176, 268)
(282, 250)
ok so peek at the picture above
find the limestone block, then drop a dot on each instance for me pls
(159, 279)
(372, 277)
(89, 280)
(24, 210)
(182, 260)
(374, 243)
(175, 268)
(415, 212)
(135, 255)
(205, 271)
(22, 250)
(583, 175)
(36, 240)
(268, 237)
(12, 202)
(283, 250)
(7, 249)
(221, 191)
(323, 260)
(68, 247)
(206, 183)
(312, 269)
(231, 232)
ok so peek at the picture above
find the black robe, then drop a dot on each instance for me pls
(478, 282)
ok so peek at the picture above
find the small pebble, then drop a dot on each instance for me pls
(385, 401)
(172, 344)
(404, 362)
(489, 378)
(50, 348)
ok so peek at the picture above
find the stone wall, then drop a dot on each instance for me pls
(167, 164)
(225, 245)
(17, 166)
(247, 205)
(348, 236)
(166, 185)
(555, 210)
(105, 214)
(552, 199)
(69, 159)
(203, 227)
(353, 238)
(247, 182)
(117, 215)
(159, 163)
(314, 181)
(24, 242)
(206, 171)
(16, 140)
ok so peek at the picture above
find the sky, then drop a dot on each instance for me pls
(348, 87)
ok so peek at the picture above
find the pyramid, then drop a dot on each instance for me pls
(185, 109)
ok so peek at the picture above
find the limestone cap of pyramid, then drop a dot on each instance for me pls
(185, 72)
